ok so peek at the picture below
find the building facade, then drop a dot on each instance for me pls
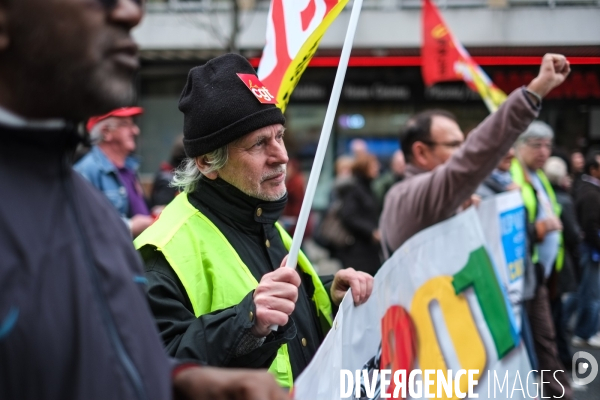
(383, 85)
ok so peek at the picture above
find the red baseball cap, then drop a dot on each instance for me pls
(119, 112)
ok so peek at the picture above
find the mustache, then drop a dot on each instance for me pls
(272, 174)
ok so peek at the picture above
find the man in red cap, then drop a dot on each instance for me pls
(110, 167)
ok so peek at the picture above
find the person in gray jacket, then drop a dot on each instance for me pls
(444, 170)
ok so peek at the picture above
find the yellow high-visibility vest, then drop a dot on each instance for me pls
(529, 200)
(213, 274)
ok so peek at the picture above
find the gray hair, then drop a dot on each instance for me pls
(187, 175)
(555, 169)
(537, 130)
(96, 132)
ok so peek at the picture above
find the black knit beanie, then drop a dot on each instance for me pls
(218, 107)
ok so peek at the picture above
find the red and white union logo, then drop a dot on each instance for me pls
(257, 88)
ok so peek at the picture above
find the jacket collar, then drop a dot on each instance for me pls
(107, 166)
(590, 179)
(412, 170)
(10, 119)
(229, 202)
(50, 141)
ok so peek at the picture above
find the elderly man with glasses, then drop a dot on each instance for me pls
(532, 150)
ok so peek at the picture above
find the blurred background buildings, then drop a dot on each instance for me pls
(383, 85)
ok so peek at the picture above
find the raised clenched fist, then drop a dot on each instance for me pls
(553, 72)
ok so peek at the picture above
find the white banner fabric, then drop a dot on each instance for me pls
(424, 300)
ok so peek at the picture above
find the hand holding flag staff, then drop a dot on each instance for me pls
(282, 75)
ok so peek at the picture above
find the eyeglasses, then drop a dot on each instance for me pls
(110, 4)
(122, 123)
(455, 144)
(539, 145)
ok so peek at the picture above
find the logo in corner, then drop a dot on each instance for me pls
(257, 88)
(581, 368)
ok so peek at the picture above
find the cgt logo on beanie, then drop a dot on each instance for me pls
(222, 101)
(258, 89)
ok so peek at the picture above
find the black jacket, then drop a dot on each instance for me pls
(215, 337)
(360, 215)
(587, 206)
(570, 274)
(74, 320)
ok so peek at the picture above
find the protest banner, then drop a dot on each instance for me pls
(438, 304)
(502, 219)
(294, 31)
(443, 58)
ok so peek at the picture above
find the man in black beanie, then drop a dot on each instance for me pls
(214, 258)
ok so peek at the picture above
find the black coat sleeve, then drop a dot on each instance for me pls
(212, 338)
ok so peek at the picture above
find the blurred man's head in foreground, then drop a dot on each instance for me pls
(67, 58)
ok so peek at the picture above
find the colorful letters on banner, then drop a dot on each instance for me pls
(438, 304)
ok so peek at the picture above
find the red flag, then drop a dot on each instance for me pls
(443, 58)
(438, 54)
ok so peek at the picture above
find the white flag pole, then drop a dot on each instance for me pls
(324, 138)
(315, 172)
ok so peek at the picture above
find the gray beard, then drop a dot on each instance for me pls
(257, 194)
(267, 198)
(262, 196)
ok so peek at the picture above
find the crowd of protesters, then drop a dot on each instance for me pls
(83, 316)
(561, 195)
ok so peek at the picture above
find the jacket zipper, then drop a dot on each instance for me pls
(125, 360)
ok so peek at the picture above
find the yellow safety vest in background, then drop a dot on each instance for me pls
(213, 274)
(530, 201)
